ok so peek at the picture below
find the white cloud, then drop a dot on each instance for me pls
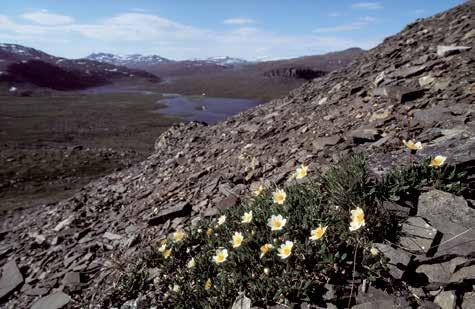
(44, 17)
(356, 25)
(147, 33)
(367, 5)
(239, 21)
(418, 12)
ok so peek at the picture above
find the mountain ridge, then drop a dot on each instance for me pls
(30, 67)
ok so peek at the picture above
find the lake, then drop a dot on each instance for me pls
(194, 108)
(202, 108)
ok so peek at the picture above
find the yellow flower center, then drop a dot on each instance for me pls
(286, 251)
(359, 217)
(277, 224)
(319, 232)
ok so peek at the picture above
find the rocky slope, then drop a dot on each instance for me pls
(417, 84)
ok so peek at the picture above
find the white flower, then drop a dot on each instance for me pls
(237, 239)
(178, 236)
(221, 256)
(438, 161)
(276, 223)
(301, 172)
(247, 217)
(221, 220)
(412, 145)
(285, 250)
(265, 249)
(279, 196)
(357, 219)
(318, 233)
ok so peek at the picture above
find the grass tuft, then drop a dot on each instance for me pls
(327, 201)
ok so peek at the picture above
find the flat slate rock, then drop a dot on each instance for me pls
(451, 215)
(180, 210)
(398, 260)
(444, 51)
(11, 278)
(418, 235)
(441, 272)
(52, 301)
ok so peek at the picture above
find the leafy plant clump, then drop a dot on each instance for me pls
(284, 245)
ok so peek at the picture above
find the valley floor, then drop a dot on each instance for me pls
(50, 146)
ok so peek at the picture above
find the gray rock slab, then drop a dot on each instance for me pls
(180, 210)
(441, 272)
(444, 51)
(446, 300)
(11, 278)
(53, 301)
(398, 259)
(418, 235)
(451, 215)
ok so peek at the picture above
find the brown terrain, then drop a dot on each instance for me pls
(262, 80)
(53, 140)
(417, 84)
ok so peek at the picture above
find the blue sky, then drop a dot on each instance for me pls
(179, 29)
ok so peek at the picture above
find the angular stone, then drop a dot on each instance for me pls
(441, 272)
(468, 301)
(52, 301)
(379, 79)
(463, 273)
(64, 223)
(446, 300)
(426, 81)
(119, 188)
(322, 101)
(322, 142)
(410, 71)
(11, 279)
(180, 210)
(380, 115)
(227, 202)
(451, 215)
(403, 94)
(397, 210)
(398, 260)
(37, 291)
(375, 305)
(430, 116)
(469, 35)
(361, 136)
(418, 235)
(444, 51)
(72, 280)
(111, 236)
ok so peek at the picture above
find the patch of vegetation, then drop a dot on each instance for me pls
(283, 246)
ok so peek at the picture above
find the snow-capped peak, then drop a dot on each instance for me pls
(125, 60)
(225, 60)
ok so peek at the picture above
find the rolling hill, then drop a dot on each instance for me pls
(28, 68)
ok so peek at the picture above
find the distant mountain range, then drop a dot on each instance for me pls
(29, 67)
(225, 76)
(138, 60)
